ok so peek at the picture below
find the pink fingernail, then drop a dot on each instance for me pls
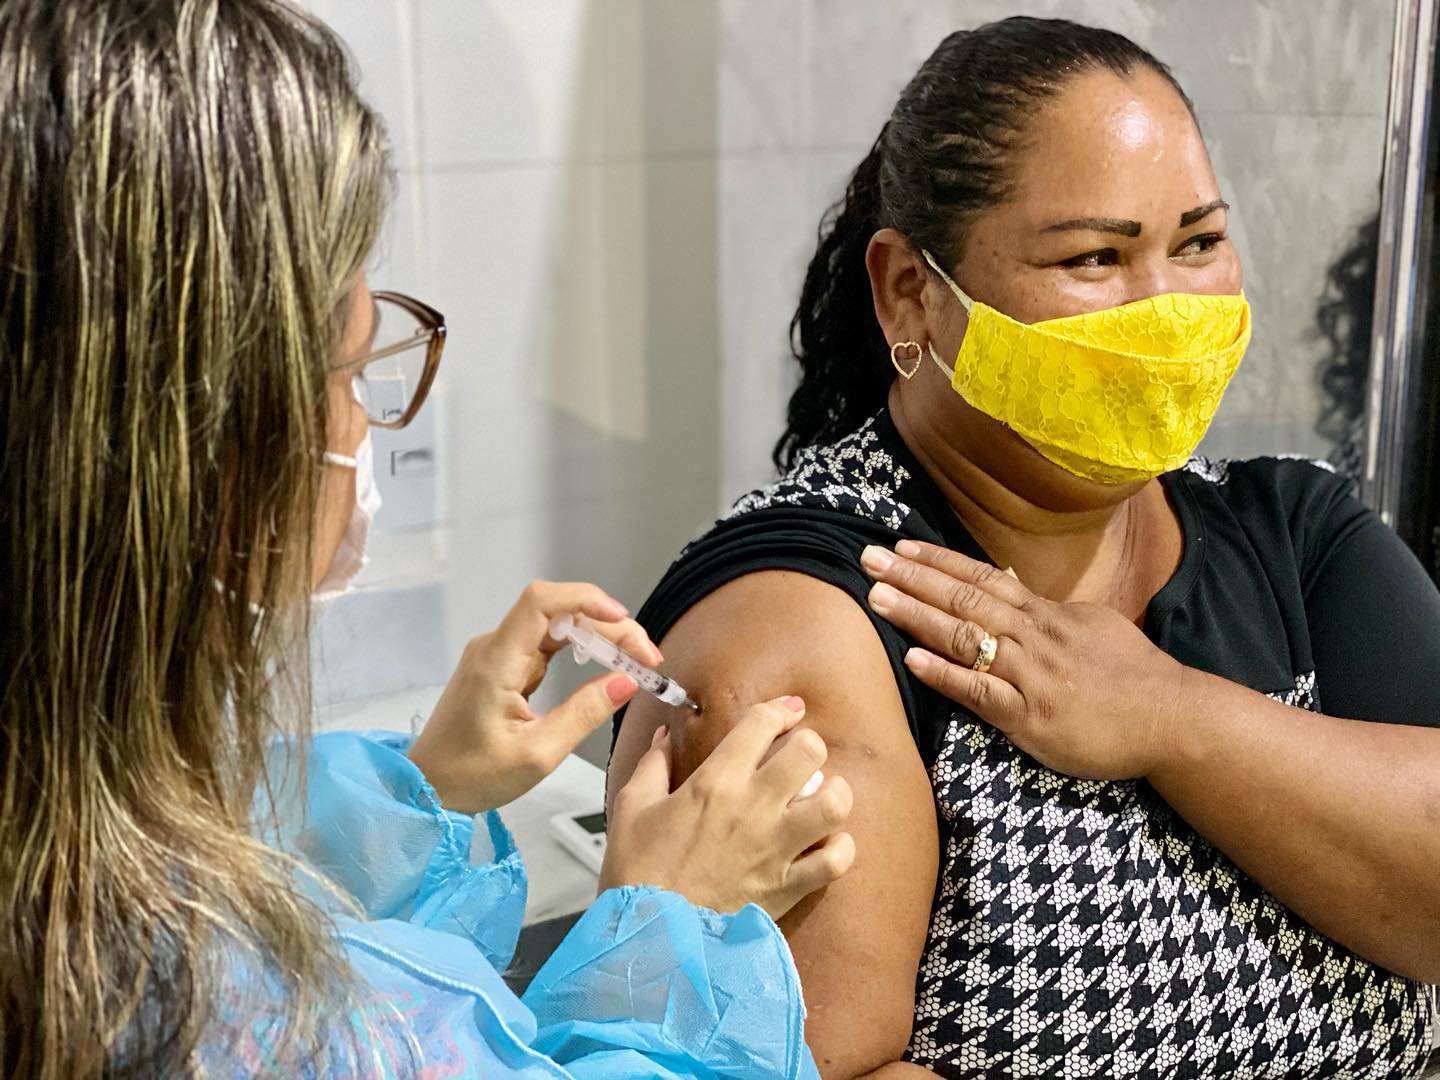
(659, 736)
(620, 689)
(794, 704)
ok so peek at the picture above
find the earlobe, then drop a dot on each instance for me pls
(897, 280)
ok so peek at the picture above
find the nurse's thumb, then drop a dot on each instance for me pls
(564, 727)
(650, 782)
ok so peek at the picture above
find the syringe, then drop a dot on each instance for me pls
(588, 644)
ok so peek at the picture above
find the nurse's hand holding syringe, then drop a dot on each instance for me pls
(586, 643)
(737, 831)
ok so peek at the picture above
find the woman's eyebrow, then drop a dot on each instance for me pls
(1108, 225)
(1190, 217)
(1125, 227)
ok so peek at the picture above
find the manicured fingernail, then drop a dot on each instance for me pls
(883, 598)
(919, 661)
(1011, 571)
(620, 689)
(811, 786)
(876, 559)
(659, 736)
(794, 704)
(907, 549)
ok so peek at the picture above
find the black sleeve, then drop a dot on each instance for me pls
(821, 544)
(1373, 612)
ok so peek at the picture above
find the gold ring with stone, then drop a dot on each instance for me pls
(986, 655)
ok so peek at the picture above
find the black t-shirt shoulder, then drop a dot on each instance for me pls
(1286, 568)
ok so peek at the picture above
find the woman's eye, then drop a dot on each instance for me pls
(1199, 245)
(1103, 257)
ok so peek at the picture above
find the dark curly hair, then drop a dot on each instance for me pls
(941, 159)
(1344, 316)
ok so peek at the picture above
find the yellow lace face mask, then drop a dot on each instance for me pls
(1112, 396)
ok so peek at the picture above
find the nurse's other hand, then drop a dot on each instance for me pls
(483, 745)
(734, 833)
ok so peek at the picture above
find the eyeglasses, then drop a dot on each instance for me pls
(395, 376)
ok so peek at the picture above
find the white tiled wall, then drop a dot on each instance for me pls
(613, 201)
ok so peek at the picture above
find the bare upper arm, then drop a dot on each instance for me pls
(857, 944)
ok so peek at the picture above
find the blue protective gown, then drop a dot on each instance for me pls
(645, 985)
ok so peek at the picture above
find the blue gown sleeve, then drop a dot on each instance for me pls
(365, 817)
(645, 985)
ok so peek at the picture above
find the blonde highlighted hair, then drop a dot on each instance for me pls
(187, 187)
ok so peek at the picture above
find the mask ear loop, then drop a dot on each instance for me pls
(346, 461)
(960, 295)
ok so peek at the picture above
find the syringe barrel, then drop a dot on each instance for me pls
(587, 644)
(671, 692)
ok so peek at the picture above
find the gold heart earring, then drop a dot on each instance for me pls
(897, 360)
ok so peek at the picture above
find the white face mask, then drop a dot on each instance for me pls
(349, 558)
